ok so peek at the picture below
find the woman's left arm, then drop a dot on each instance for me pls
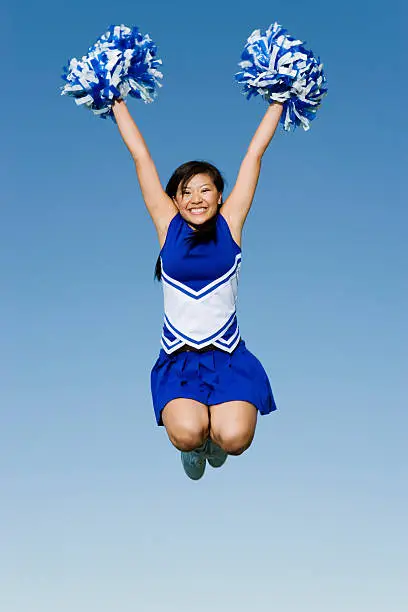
(236, 207)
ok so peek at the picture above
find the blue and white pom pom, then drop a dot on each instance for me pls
(278, 67)
(122, 62)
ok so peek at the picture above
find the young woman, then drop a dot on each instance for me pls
(207, 387)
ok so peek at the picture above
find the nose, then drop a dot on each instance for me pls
(196, 197)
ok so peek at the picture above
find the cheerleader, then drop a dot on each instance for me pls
(207, 387)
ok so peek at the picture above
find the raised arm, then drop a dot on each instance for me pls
(158, 203)
(236, 207)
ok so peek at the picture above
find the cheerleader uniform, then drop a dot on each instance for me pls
(203, 356)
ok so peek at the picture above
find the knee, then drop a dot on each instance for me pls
(188, 438)
(234, 443)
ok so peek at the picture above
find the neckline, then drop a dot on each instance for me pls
(192, 229)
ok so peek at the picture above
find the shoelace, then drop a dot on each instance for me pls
(195, 458)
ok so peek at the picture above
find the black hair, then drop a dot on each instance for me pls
(204, 232)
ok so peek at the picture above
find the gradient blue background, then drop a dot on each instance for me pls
(95, 511)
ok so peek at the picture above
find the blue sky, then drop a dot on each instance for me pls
(96, 512)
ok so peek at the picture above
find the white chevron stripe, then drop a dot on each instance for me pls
(200, 319)
(228, 349)
(170, 342)
(192, 292)
(230, 340)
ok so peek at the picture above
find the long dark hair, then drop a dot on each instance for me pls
(180, 177)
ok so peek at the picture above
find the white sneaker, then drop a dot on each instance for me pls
(194, 463)
(215, 455)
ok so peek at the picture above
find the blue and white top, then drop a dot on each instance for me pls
(200, 284)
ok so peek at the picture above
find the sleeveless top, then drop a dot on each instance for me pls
(200, 283)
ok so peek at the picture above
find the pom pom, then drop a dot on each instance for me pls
(279, 68)
(122, 62)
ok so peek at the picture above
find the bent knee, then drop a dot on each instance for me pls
(234, 443)
(188, 438)
(187, 423)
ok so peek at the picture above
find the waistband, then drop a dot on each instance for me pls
(186, 348)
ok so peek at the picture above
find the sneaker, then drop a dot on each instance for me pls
(215, 455)
(193, 463)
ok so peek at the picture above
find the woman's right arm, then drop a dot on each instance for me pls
(160, 206)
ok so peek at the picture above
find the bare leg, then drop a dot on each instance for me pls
(233, 425)
(187, 423)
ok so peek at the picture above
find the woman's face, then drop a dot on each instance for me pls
(198, 200)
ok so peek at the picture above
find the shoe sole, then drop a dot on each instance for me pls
(216, 464)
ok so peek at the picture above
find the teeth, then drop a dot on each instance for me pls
(197, 211)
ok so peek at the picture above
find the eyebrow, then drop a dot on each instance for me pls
(203, 185)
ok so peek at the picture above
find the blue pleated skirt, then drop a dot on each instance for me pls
(212, 377)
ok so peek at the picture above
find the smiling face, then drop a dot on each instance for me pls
(198, 200)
